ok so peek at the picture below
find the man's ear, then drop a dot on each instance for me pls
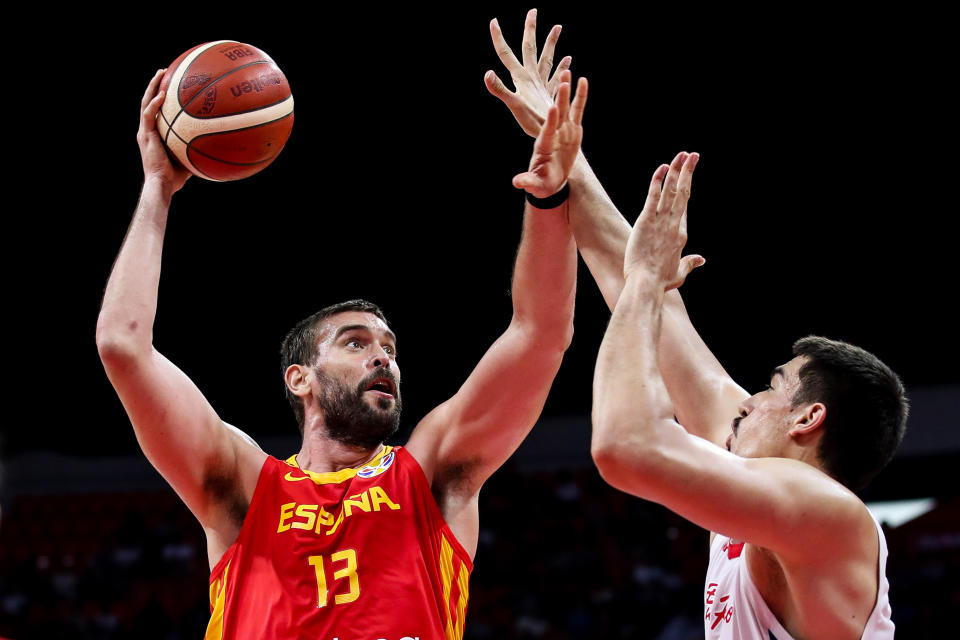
(809, 421)
(297, 378)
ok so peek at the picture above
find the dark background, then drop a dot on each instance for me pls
(823, 201)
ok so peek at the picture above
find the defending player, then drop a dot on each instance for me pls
(797, 555)
(348, 538)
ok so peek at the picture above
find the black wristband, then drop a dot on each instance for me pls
(551, 202)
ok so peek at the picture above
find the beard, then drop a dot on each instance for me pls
(348, 416)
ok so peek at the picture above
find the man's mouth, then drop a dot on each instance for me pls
(383, 386)
(729, 440)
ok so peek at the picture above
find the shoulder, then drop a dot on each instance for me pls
(835, 524)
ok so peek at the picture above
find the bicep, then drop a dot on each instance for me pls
(180, 433)
(780, 504)
(477, 429)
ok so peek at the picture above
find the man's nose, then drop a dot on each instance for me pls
(379, 358)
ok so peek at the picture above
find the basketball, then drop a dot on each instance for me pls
(228, 110)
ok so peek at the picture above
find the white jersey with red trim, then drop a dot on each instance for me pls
(735, 610)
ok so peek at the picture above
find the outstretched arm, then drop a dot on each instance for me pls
(704, 396)
(212, 467)
(467, 438)
(780, 504)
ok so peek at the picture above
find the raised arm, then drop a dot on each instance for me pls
(703, 393)
(783, 505)
(467, 438)
(212, 466)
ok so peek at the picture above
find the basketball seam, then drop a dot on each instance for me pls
(238, 113)
(188, 143)
(190, 146)
(183, 107)
(209, 45)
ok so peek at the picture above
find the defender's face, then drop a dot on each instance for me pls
(762, 427)
(359, 350)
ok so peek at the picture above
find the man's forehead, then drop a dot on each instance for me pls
(334, 323)
(791, 369)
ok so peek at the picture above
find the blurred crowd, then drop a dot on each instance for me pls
(561, 556)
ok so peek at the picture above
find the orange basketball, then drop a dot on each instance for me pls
(228, 110)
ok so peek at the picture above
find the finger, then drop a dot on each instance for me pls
(579, 101)
(497, 88)
(548, 132)
(669, 192)
(526, 180)
(546, 56)
(151, 89)
(656, 184)
(528, 47)
(688, 264)
(563, 101)
(503, 49)
(149, 116)
(555, 80)
(685, 181)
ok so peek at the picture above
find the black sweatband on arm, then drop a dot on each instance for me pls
(551, 202)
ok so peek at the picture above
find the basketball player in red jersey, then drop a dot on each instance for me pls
(796, 554)
(348, 538)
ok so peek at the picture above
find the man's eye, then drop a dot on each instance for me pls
(353, 343)
(390, 350)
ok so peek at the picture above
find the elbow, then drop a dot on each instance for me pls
(547, 336)
(562, 336)
(624, 461)
(119, 343)
(615, 467)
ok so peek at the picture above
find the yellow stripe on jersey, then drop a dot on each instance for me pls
(218, 596)
(446, 574)
(463, 581)
(331, 477)
(454, 628)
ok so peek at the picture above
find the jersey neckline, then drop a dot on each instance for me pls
(333, 477)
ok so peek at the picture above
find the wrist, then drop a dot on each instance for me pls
(641, 278)
(552, 201)
(158, 187)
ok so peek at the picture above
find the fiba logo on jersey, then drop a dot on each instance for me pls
(374, 470)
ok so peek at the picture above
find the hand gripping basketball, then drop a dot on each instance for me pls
(227, 110)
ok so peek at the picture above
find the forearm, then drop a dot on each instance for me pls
(544, 277)
(630, 399)
(600, 230)
(130, 300)
(601, 234)
(701, 390)
(627, 380)
(704, 396)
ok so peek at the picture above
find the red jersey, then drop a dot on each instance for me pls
(357, 554)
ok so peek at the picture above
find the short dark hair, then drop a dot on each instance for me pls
(867, 407)
(300, 344)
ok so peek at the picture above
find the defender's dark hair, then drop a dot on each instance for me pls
(300, 345)
(866, 404)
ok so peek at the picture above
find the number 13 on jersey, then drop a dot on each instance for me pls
(347, 561)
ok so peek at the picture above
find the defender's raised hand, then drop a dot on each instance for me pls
(660, 232)
(557, 145)
(535, 88)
